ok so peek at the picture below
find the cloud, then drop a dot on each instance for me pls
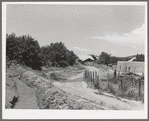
(97, 37)
(82, 49)
(139, 31)
(136, 36)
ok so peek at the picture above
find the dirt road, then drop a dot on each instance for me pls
(27, 98)
(76, 86)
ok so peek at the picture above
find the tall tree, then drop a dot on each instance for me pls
(104, 58)
(139, 57)
(22, 50)
(57, 55)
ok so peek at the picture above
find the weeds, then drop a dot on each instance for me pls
(129, 88)
(57, 77)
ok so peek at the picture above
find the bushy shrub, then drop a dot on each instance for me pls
(26, 50)
(33, 80)
(132, 92)
(57, 55)
(23, 50)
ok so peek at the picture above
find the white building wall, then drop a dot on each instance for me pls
(135, 67)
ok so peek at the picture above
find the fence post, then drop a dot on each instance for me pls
(88, 74)
(85, 74)
(93, 79)
(96, 81)
(122, 85)
(90, 78)
(108, 79)
(115, 73)
(139, 87)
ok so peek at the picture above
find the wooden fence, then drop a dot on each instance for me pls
(94, 80)
(91, 77)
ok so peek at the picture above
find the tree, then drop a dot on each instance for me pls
(71, 58)
(23, 50)
(26, 50)
(10, 48)
(139, 57)
(113, 59)
(57, 55)
(104, 58)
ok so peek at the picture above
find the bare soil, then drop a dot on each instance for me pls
(27, 98)
(51, 97)
(36, 90)
(77, 86)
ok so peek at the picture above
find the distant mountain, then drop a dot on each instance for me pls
(138, 57)
(114, 59)
(131, 56)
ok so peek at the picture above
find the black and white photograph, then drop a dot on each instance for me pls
(68, 60)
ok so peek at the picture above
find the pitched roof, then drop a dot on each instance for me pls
(85, 57)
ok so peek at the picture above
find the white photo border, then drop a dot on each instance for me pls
(71, 114)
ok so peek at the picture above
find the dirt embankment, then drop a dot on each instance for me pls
(36, 91)
(27, 90)
(27, 98)
(50, 97)
(18, 94)
(11, 93)
(11, 96)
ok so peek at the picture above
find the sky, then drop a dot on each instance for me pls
(118, 30)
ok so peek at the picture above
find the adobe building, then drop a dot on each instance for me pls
(130, 66)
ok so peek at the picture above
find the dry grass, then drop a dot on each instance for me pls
(57, 77)
(29, 77)
(50, 97)
(56, 73)
(130, 87)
